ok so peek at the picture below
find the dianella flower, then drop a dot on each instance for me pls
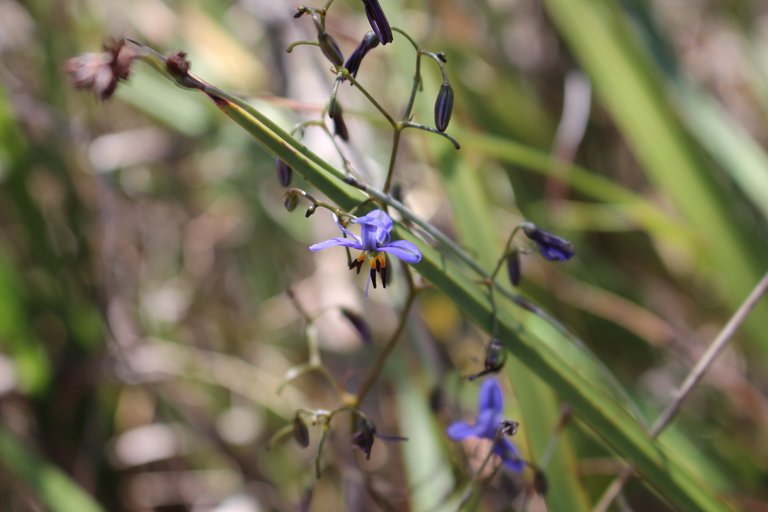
(378, 20)
(374, 242)
(490, 424)
(552, 247)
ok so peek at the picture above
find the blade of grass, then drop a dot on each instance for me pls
(54, 488)
(632, 91)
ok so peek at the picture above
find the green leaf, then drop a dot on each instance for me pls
(54, 488)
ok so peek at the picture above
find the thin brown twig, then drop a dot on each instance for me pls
(381, 360)
(691, 381)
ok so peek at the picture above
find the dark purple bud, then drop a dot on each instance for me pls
(550, 246)
(364, 437)
(360, 325)
(443, 107)
(369, 42)
(514, 268)
(330, 49)
(311, 210)
(300, 432)
(339, 126)
(495, 357)
(284, 173)
(378, 20)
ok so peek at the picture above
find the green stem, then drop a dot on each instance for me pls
(346, 74)
(392, 158)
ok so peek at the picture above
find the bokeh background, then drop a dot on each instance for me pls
(145, 252)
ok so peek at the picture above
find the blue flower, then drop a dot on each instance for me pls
(374, 241)
(488, 424)
(552, 247)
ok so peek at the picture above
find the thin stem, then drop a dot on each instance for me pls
(504, 254)
(292, 46)
(470, 487)
(346, 74)
(392, 158)
(414, 87)
(410, 124)
(408, 37)
(685, 389)
(381, 360)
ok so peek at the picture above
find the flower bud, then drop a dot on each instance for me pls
(339, 126)
(369, 42)
(364, 437)
(300, 432)
(330, 49)
(514, 268)
(443, 106)
(291, 201)
(550, 246)
(284, 173)
(378, 20)
(359, 325)
(495, 357)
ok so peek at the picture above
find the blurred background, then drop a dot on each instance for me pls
(145, 252)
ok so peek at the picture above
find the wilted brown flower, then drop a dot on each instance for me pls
(102, 71)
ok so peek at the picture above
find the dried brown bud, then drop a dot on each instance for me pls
(177, 64)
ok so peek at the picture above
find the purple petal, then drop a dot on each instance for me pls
(487, 423)
(509, 454)
(460, 430)
(336, 242)
(377, 218)
(343, 229)
(375, 228)
(404, 250)
(555, 253)
(490, 397)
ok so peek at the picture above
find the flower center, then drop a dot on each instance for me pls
(378, 262)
